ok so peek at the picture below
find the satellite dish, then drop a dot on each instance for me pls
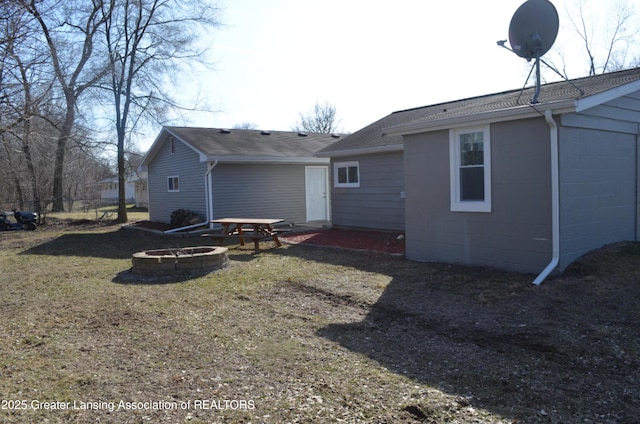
(532, 32)
(533, 29)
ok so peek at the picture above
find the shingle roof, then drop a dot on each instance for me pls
(216, 142)
(374, 136)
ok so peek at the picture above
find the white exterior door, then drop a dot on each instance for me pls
(316, 183)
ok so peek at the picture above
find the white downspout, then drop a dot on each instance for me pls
(555, 200)
(208, 184)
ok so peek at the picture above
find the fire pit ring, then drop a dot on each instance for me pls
(180, 261)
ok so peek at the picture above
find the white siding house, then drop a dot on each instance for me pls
(109, 191)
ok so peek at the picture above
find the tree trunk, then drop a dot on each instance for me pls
(18, 188)
(58, 176)
(61, 149)
(122, 179)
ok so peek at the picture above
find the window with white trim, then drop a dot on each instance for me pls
(470, 163)
(346, 174)
(173, 183)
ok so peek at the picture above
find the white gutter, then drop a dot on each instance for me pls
(208, 184)
(555, 200)
(268, 159)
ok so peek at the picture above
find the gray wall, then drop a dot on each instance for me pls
(260, 191)
(516, 235)
(244, 190)
(186, 164)
(377, 203)
(597, 189)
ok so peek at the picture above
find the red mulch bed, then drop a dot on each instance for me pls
(376, 241)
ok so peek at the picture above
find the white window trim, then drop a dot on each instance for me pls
(170, 178)
(338, 165)
(458, 205)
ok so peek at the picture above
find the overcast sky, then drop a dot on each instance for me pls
(277, 58)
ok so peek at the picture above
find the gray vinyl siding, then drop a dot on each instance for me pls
(259, 191)
(516, 235)
(598, 177)
(184, 163)
(377, 203)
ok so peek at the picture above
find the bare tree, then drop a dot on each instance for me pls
(246, 125)
(25, 90)
(83, 172)
(145, 40)
(322, 119)
(608, 41)
(67, 31)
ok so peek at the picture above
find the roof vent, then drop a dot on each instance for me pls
(225, 131)
(301, 134)
(264, 132)
(335, 135)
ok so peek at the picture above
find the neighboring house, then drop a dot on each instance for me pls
(135, 190)
(139, 182)
(220, 173)
(109, 191)
(496, 181)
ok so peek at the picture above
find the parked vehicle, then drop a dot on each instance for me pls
(24, 221)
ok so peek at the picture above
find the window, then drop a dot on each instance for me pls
(173, 183)
(346, 174)
(172, 145)
(470, 162)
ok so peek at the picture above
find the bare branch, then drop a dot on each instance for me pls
(323, 119)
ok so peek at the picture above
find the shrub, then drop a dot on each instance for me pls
(183, 218)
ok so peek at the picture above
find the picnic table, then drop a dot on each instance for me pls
(255, 229)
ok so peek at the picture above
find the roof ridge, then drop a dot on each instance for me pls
(247, 130)
(527, 87)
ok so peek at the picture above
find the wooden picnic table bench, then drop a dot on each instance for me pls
(258, 229)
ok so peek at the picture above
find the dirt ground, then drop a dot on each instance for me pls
(373, 241)
(334, 336)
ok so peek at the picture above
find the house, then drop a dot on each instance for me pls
(135, 190)
(141, 192)
(367, 170)
(109, 191)
(497, 181)
(220, 173)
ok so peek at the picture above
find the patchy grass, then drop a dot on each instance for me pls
(103, 213)
(305, 334)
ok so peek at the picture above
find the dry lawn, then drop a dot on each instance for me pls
(309, 335)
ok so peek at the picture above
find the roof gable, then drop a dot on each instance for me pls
(576, 95)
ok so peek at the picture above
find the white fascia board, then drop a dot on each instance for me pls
(509, 114)
(363, 151)
(267, 160)
(607, 96)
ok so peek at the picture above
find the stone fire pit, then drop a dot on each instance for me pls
(179, 261)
